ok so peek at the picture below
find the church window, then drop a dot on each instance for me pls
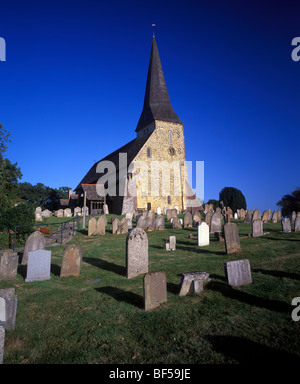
(148, 152)
(169, 200)
(170, 138)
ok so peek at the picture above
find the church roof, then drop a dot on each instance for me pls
(131, 149)
(157, 105)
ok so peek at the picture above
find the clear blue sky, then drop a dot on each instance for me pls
(72, 87)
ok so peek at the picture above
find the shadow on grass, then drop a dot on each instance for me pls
(103, 264)
(121, 295)
(289, 275)
(248, 352)
(280, 238)
(228, 291)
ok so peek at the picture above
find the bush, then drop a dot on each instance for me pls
(233, 198)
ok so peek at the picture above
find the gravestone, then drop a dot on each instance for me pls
(136, 253)
(215, 223)
(248, 217)
(257, 228)
(100, 227)
(196, 218)
(60, 213)
(160, 222)
(158, 210)
(192, 283)
(297, 224)
(293, 218)
(67, 212)
(256, 215)
(238, 272)
(265, 216)
(122, 226)
(172, 243)
(39, 264)
(115, 225)
(176, 223)
(8, 307)
(286, 224)
(141, 223)
(8, 265)
(151, 213)
(187, 220)
(274, 217)
(208, 216)
(92, 226)
(154, 289)
(279, 214)
(150, 223)
(203, 234)
(2, 338)
(105, 209)
(71, 261)
(35, 241)
(167, 246)
(174, 212)
(169, 214)
(242, 213)
(232, 240)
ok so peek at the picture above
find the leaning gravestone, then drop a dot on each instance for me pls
(203, 234)
(8, 307)
(154, 289)
(8, 265)
(2, 338)
(238, 272)
(215, 223)
(187, 220)
(192, 283)
(71, 261)
(286, 224)
(232, 240)
(257, 228)
(35, 241)
(39, 264)
(92, 226)
(297, 224)
(136, 253)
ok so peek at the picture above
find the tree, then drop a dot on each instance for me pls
(233, 198)
(290, 203)
(214, 202)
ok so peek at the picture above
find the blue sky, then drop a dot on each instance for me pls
(73, 84)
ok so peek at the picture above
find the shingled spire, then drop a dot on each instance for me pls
(157, 105)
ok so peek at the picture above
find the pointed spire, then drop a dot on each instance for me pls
(157, 105)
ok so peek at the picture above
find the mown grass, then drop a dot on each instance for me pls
(98, 317)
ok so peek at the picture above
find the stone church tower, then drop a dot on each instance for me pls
(155, 171)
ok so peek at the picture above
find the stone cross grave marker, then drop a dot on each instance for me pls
(39, 264)
(8, 307)
(71, 261)
(192, 282)
(232, 240)
(2, 338)
(286, 224)
(8, 265)
(227, 214)
(257, 228)
(154, 289)
(136, 253)
(238, 272)
(203, 234)
(35, 241)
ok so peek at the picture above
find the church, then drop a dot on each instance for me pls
(150, 171)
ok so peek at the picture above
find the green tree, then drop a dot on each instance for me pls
(233, 198)
(290, 203)
(214, 202)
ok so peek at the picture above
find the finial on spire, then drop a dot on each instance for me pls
(153, 25)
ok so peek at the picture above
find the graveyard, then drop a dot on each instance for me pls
(100, 311)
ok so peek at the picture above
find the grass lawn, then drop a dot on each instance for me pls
(98, 317)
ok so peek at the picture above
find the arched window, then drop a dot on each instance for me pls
(148, 152)
(170, 138)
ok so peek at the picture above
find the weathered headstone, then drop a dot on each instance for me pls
(100, 227)
(279, 214)
(123, 226)
(196, 218)
(155, 289)
(136, 253)
(187, 220)
(158, 210)
(257, 228)
(297, 224)
(105, 209)
(92, 226)
(8, 308)
(256, 215)
(274, 217)
(203, 234)
(248, 217)
(67, 212)
(192, 283)
(169, 214)
(8, 265)
(141, 222)
(71, 261)
(242, 213)
(174, 212)
(160, 222)
(150, 223)
(167, 246)
(215, 223)
(60, 213)
(208, 216)
(286, 224)
(151, 213)
(2, 339)
(176, 223)
(115, 225)
(265, 216)
(232, 240)
(238, 272)
(172, 242)
(35, 241)
(39, 264)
